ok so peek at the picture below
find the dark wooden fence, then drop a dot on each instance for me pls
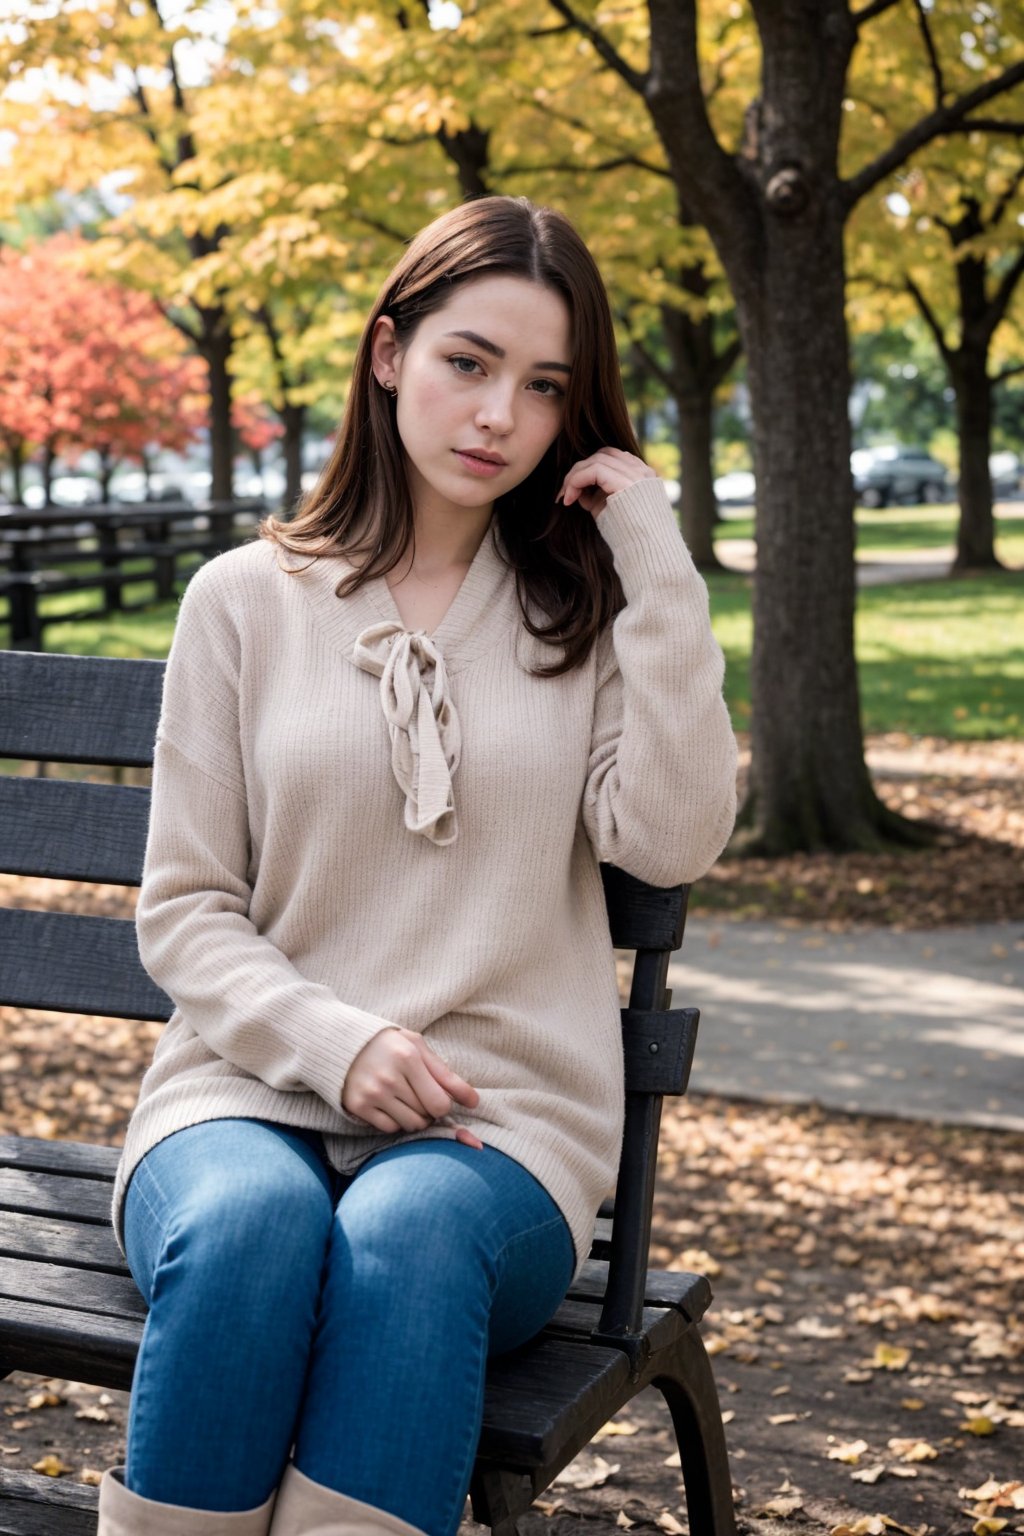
(90, 549)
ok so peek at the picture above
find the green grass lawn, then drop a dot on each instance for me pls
(936, 658)
(943, 658)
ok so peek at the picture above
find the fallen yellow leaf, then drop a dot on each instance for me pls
(50, 1466)
(869, 1474)
(990, 1526)
(913, 1450)
(980, 1425)
(890, 1357)
(850, 1452)
(783, 1506)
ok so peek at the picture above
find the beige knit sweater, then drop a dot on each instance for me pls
(354, 827)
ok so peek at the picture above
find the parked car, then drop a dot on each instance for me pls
(1007, 471)
(736, 489)
(894, 473)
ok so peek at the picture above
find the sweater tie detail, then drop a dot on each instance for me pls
(426, 740)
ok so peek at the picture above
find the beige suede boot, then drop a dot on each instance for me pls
(123, 1513)
(305, 1508)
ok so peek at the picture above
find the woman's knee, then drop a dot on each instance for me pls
(270, 1215)
(222, 1200)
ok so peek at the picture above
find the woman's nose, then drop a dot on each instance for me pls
(494, 410)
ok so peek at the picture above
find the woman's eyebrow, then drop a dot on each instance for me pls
(496, 351)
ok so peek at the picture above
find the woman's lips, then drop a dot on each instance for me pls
(485, 467)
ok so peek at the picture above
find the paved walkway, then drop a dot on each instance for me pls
(928, 1025)
(875, 568)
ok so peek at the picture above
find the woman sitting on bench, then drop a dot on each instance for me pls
(398, 734)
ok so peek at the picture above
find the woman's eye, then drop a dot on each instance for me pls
(457, 362)
(548, 387)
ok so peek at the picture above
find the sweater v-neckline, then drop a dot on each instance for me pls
(484, 606)
(464, 606)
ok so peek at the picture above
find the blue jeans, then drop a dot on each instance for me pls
(346, 1317)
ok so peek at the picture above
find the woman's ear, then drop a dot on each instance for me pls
(384, 349)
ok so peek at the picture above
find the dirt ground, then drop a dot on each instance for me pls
(867, 1331)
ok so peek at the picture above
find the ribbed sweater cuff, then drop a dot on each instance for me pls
(639, 526)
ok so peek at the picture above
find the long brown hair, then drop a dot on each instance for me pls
(361, 504)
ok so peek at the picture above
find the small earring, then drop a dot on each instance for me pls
(390, 389)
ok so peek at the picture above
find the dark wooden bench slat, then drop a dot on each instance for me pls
(62, 1341)
(82, 1159)
(689, 1293)
(79, 709)
(73, 964)
(63, 830)
(55, 1285)
(77, 1244)
(34, 1505)
(55, 1194)
(531, 1392)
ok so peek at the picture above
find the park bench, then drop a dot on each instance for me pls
(68, 1304)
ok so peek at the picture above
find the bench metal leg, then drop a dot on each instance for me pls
(697, 1419)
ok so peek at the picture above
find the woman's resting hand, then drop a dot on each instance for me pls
(397, 1083)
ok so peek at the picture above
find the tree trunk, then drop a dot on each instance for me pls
(696, 373)
(106, 474)
(776, 213)
(49, 459)
(809, 787)
(698, 512)
(216, 349)
(16, 455)
(975, 542)
(294, 419)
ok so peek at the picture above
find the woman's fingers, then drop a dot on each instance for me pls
(397, 1082)
(593, 479)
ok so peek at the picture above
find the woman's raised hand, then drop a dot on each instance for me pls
(592, 480)
(397, 1083)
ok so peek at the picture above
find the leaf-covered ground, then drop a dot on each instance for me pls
(973, 874)
(868, 1324)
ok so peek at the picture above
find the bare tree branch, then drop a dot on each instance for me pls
(602, 47)
(1008, 373)
(1000, 207)
(869, 12)
(727, 359)
(706, 176)
(608, 141)
(663, 376)
(1000, 301)
(577, 168)
(936, 123)
(933, 58)
(148, 126)
(930, 318)
(990, 125)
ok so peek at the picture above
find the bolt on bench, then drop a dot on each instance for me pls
(68, 1304)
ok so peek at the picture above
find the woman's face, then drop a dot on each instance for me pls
(481, 390)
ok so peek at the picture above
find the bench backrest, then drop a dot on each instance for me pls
(103, 712)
